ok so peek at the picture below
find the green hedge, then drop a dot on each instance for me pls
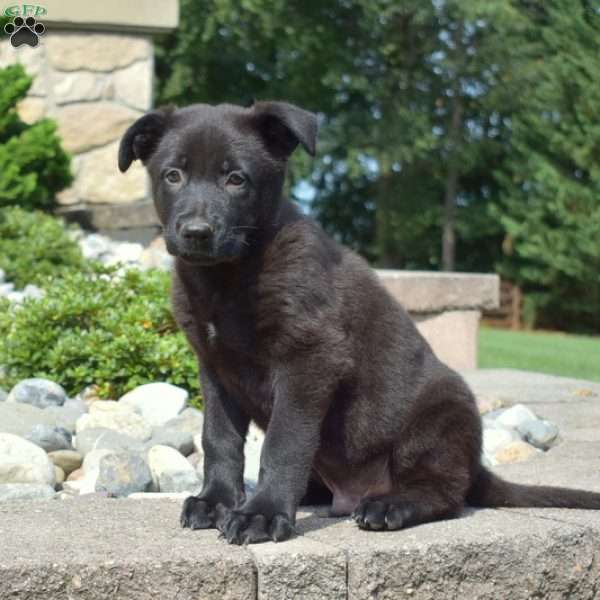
(36, 247)
(105, 328)
(33, 165)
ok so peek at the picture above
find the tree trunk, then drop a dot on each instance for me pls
(448, 236)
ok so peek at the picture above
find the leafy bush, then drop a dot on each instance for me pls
(33, 165)
(114, 330)
(35, 247)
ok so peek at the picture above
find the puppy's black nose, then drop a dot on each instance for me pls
(196, 231)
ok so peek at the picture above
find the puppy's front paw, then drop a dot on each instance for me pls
(198, 513)
(240, 528)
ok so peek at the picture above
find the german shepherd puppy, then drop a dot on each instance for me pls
(296, 333)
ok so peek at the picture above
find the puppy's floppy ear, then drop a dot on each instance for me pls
(283, 126)
(141, 139)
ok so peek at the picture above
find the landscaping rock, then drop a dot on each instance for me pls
(59, 476)
(156, 402)
(156, 255)
(83, 480)
(33, 292)
(179, 440)
(125, 252)
(541, 434)
(6, 289)
(515, 452)
(66, 415)
(23, 462)
(101, 438)
(122, 474)
(515, 416)
(50, 438)
(67, 460)
(198, 444)
(38, 392)
(76, 475)
(497, 437)
(487, 403)
(89, 395)
(3, 395)
(197, 461)
(171, 472)
(191, 420)
(121, 419)
(19, 419)
(91, 462)
(25, 491)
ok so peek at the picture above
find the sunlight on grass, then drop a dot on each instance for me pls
(555, 353)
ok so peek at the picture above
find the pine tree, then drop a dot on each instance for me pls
(550, 203)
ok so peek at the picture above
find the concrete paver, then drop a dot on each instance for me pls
(94, 547)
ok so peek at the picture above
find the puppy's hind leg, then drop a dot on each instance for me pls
(433, 465)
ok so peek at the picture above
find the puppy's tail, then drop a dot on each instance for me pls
(489, 490)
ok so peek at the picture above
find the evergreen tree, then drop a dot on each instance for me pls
(550, 200)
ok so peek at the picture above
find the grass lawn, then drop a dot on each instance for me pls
(555, 353)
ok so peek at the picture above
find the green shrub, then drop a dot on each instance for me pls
(35, 247)
(33, 165)
(112, 330)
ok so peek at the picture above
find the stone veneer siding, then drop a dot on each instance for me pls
(94, 85)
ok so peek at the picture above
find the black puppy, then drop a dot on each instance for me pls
(297, 333)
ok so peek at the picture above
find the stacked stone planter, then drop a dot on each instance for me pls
(93, 74)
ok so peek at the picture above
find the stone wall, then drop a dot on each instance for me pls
(94, 85)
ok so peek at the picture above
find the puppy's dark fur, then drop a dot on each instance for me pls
(296, 333)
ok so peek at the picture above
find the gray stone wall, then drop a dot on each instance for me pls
(94, 85)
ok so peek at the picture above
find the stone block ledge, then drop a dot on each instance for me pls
(94, 548)
(429, 292)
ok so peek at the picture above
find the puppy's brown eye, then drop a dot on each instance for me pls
(235, 179)
(173, 176)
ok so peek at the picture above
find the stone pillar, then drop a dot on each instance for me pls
(446, 308)
(93, 74)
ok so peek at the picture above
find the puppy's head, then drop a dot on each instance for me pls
(217, 172)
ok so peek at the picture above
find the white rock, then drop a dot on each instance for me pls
(91, 462)
(541, 434)
(110, 406)
(198, 444)
(24, 462)
(190, 420)
(122, 420)
(33, 292)
(171, 472)
(6, 288)
(515, 415)
(16, 297)
(252, 450)
(127, 252)
(156, 402)
(93, 246)
(496, 438)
